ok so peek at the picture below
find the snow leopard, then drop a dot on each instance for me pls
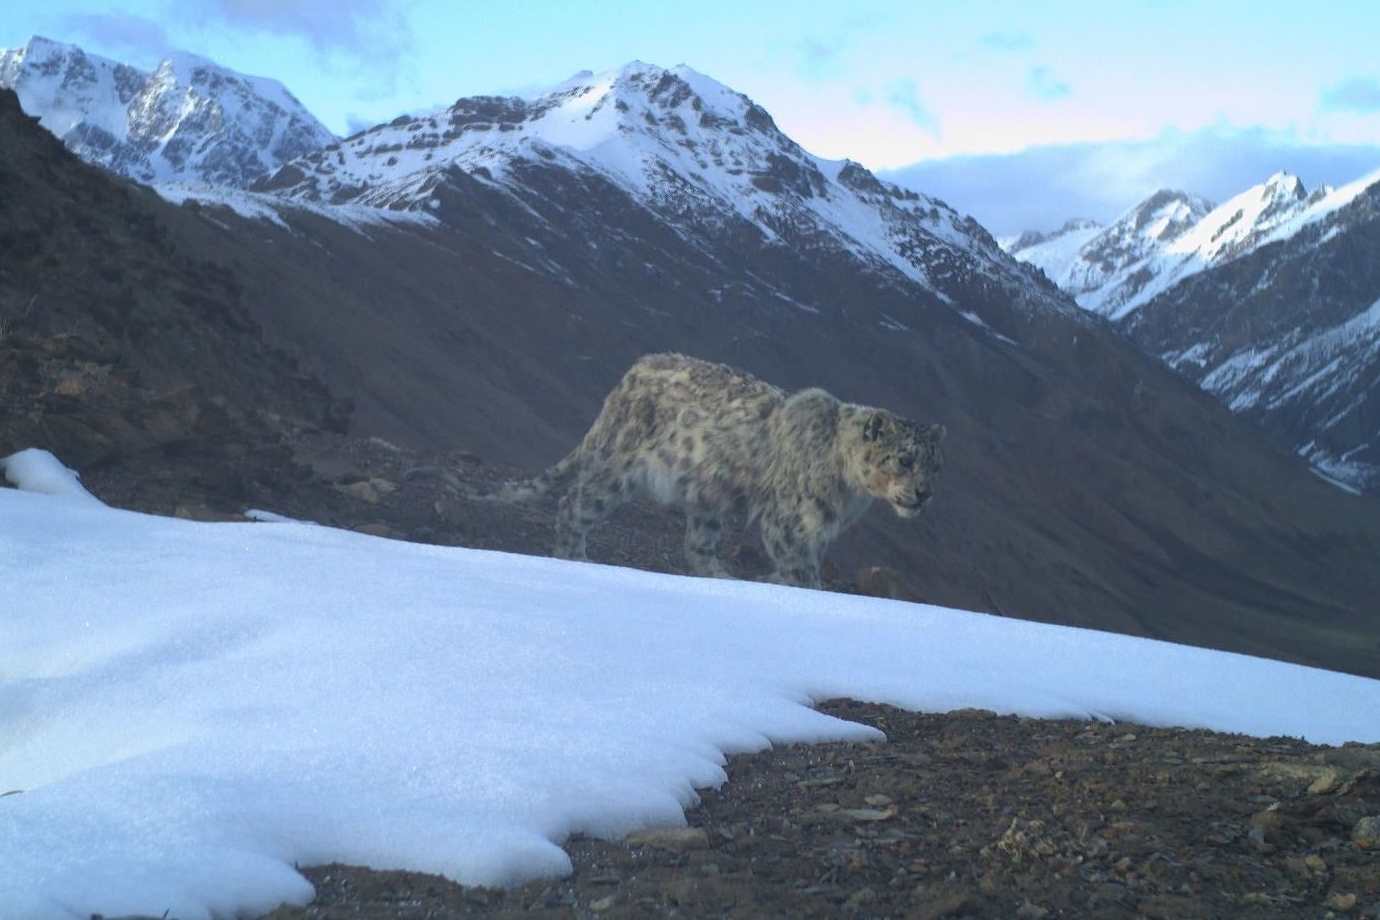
(715, 442)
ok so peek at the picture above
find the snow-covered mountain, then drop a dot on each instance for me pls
(1166, 238)
(1264, 301)
(1287, 331)
(703, 159)
(190, 120)
(1100, 266)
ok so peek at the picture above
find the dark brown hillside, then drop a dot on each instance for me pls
(1085, 484)
(117, 345)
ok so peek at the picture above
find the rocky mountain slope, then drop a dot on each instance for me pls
(493, 303)
(117, 345)
(190, 120)
(1262, 301)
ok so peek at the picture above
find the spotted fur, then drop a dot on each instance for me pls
(714, 441)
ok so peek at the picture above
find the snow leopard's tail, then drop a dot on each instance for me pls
(514, 492)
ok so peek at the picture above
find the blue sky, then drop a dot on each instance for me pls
(886, 84)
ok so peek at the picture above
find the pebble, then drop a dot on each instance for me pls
(868, 814)
(603, 904)
(675, 839)
(364, 491)
(1325, 783)
(1270, 819)
(1366, 833)
(1340, 901)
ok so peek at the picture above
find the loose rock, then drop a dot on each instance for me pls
(1366, 833)
(675, 839)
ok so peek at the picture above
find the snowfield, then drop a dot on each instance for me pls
(189, 710)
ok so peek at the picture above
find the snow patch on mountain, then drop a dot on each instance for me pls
(1051, 252)
(1316, 365)
(259, 206)
(189, 120)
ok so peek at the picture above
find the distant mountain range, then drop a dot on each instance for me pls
(190, 120)
(1269, 301)
(478, 278)
(702, 156)
(1114, 270)
(704, 159)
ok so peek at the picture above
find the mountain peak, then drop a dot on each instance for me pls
(638, 98)
(1282, 192)
(40, 45)
(186, 65)
(638, 123)
(39, 49)
(189, 120)
(1164, 216)
(1287, 183)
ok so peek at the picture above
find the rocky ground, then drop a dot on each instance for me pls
(966, 815)
(962, 814)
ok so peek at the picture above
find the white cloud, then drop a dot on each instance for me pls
(1359, 94)
(1046, 85)
(904, 96)
(328, 25)
(133, 39)
(1042, 187)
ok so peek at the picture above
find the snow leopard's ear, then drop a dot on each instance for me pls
(875, 426)
(937, 433)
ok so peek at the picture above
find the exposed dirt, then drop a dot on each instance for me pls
(966, 815)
